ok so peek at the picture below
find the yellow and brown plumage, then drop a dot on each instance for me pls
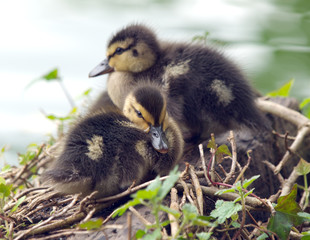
(206, 93)
(107, 151)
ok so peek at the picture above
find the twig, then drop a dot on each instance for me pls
(128, 191)
(174, 225)
(283, 135)
(129, 224)
(245, 167)
(204, 167)
(232, 141)
(273, 167)
(302, 133)
(288, 184)
(302, 123)
(197, 189)
(140, 217)
(186, 191)
(27, 232)
(210, 192)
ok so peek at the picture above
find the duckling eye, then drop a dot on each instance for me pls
(139, 114)
(119, 50)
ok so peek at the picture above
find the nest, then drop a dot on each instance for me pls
(44, 214)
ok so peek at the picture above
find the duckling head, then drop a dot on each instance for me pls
(146, 107)
(133, 49)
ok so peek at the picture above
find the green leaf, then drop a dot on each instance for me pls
(203, 222)
(155, 235)
(168, 210)
(91, 224)
(189, 211)
(306, 235)
(146, 194)
(121, 210)
(303, 167)
(168, 183)
(235, 224)
(248, 193)
(280, 224)
(247, 182)
(304, 103)
(140, 233)
(262, 237)
(305, 107)
(284, 91)
(237, 199)
(286, 215)
(52, 75)
(6, 168)
(224, 210)
(5, 190)
(220, 192)
(2, 180)
(224, 149)
(156, 184)
(304, 215)
(19, 201)
(203, 235)
(211, 144)
(287, 204)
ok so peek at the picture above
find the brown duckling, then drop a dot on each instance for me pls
(206, 93)
(109, 150)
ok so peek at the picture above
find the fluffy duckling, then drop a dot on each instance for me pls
(109, 150)
(206, 93)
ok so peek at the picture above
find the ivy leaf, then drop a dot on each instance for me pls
(284, 91)
(286, 215)
(224, 149)
(224, 210)
(304, 215)
(91, 224)
(303, 167)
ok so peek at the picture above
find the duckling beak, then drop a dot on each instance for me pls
(100, 69)
(159, 140)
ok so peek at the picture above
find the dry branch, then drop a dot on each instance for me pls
(302, 123)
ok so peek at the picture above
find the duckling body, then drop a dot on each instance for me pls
(108, 151)
(206, 93)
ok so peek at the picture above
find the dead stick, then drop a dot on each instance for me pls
(174, 225)
(232, 141)
(197, 189)
(204, 167)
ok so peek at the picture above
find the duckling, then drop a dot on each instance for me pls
(109, 150)
(206, 92)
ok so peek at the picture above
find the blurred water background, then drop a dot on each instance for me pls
(269, 39)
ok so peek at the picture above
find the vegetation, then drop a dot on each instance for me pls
(22, 198)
